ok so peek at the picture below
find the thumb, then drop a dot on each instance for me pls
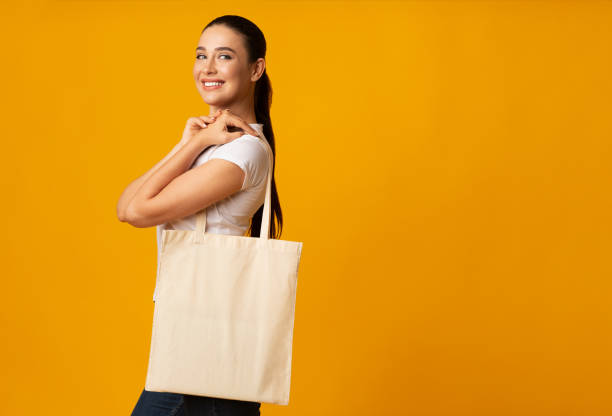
(233, 135)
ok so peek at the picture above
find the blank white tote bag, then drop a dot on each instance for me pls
(224, 313)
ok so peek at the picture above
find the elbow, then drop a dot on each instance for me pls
(121, 214)
(121, 209)
(132, 216)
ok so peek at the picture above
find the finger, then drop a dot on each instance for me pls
(238, 122)
(207, 119)
(198, 121)
(233, 136)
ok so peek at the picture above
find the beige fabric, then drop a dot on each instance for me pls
(224, 313)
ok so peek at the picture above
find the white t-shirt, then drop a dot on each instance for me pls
(230, 215)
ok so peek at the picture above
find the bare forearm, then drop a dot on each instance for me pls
(174, 166)
(132, 188)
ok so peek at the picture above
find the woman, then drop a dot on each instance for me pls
(213, 167)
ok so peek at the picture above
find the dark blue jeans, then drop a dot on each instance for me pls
(153, 403)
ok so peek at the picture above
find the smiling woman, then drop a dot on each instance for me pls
(220, 165)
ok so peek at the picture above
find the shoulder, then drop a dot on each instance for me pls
(250, 153)
(246, 147)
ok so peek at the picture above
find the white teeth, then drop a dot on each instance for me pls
(210, 84)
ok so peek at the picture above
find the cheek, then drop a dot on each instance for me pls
(198, 65)
(231, 72)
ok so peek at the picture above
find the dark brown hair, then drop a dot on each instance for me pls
(255, 44)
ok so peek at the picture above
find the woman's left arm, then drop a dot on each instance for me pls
(173, 191)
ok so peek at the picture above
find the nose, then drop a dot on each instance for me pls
(209, 66)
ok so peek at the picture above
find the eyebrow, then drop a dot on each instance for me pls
(220, 48)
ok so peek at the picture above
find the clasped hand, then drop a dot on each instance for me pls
(210, 130)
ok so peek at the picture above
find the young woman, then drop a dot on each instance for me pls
(213, 167)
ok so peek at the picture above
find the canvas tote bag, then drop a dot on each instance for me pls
(224, 313)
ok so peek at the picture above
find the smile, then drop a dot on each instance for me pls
(212, 85)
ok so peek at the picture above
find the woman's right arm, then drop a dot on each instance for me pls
(193, 126)
(130, 191)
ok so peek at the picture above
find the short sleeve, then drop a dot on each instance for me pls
(250, 154)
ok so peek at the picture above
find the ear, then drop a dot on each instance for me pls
(257, 69)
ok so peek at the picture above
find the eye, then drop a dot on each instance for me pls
(201, 54)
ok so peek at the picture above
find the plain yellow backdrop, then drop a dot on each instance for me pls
(447, 165)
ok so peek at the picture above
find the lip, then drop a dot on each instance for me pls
(214, 87)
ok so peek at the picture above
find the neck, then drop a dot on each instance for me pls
(243, 108)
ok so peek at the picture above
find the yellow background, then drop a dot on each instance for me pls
(446, 165)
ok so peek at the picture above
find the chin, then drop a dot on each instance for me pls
(218, 101)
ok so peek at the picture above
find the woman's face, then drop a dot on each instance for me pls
(221, 56)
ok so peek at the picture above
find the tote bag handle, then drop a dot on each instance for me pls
(264, 231)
